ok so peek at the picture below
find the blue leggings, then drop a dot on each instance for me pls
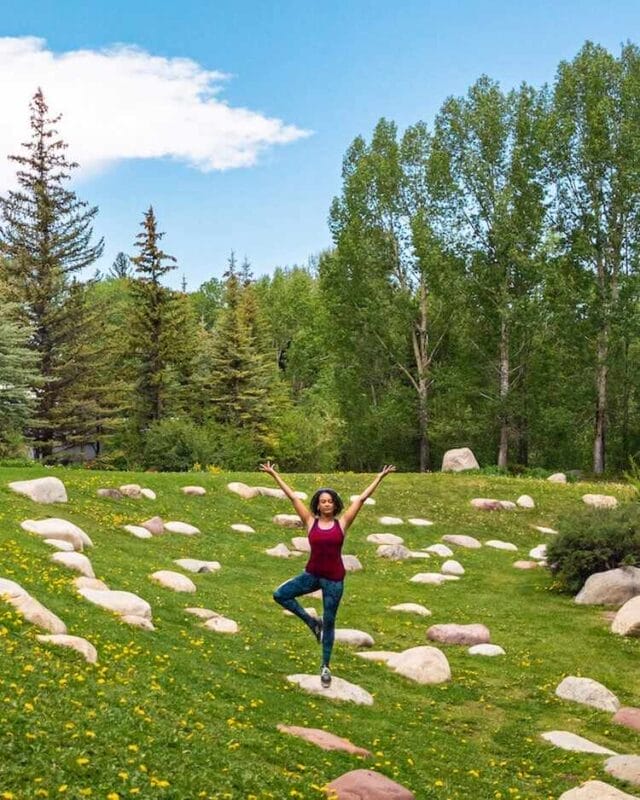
(304, 583)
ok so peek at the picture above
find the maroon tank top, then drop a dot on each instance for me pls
(326, 552)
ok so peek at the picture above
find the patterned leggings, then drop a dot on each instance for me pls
(331, 596)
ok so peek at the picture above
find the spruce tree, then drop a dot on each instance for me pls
(121, 267)
(46, 238)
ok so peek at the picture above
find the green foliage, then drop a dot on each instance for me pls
(594, 540)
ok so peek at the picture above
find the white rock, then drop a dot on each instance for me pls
(353, 637)
(240, 527)
(452, 568)
(611, 587)
(599, 500)
(132, 490)
(11, 589)
(526, 501)
(195, 565)
(301, 543)
(81, 582)
(138, 531)
(395, 552)
(351, 563)
(82, 646)
(173, 580)
(462, 541)
(54, 528)
(418, 554)
(539, 552)
(181, 527)
(508, 505)
(557, 477)
(439, 550)
(122, 603)
(339, 689)
(220, 624)
(459, 459)
(432, 578)
(196, 491)
(381, 656)
(587, 692)
(138, 622)
(368, 502)
(279, 551)
(390, 521)
(246, 492)
(425, 665)
(384, 538)
(41, 490)
(148, 493)
(624, 768)
(486, 504)
(60, 544)
(627, 621)
(596, 790)
(270, 491)
(412, 608)
(75, 561)
(542, 529)
(288, 521)
(37, 614)
(499, 545)
(419, 522)
(485, 650)
(202, 613)
(570, 741)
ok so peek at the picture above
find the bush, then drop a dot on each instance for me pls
(594, 540)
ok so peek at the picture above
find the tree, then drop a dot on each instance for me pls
(121, 267)
(45, 238)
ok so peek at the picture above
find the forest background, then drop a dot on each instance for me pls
(482, 290)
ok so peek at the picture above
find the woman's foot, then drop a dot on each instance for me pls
(325, 677)
(317, 629)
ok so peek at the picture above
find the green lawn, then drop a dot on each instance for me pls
(186, 713)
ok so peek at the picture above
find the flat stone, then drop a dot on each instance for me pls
(288, 521)
(526, 501)
(459, 459)
(439, 550)
(324, 739)
(113, 494)
(60, 544)
(155, 525)
(613, 587)
(181, 527)
(138, 622)
(82, 582)
(363, 784)
(390, 521)
(395, 552)
(542, 529)
(138, 531)
(462, 541)
(412, 608)
(351, 563)
(381, 656)
(132, 490)
(368, 502)
(508, 505)
(431, 578)
(11, 589)
(628, 716)
(499, 545)
(279, 551)
(426, 665)
(301, 543)
(41, 490)
(37, 614)
(384, 538)
(339, 689)
(486, 650)
(557, 477)
(270, 491)
(587, 692)
(520, 564)
(353, 637)
(75, 561)
(600, 500)
(54, 528)
(419, 522)
(220, 624)
(452, 633)
(452, 568)
(240, 527)
(624, 768)
(627, 620)
(577, 744)
(539, 553)
(195, 491)
(122, 603)
(246, 492)
(596, 790)
(149, 494)
(195, 565)
(82, 646)
(202, 613)
(173, 580)
(486, 504)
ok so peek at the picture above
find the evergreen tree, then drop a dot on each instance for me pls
(121, 267)
(45, 238)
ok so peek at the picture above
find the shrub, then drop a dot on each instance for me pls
(594, 540)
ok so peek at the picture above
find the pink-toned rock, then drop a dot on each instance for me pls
(41, 490)
(628, 716)
(246, 492)
(288, 521)
(486, 504)
(459, 459)
(324, 740)
(459, 634)
(351, 563)
(195, 491)
(526, 564)
(37, 614)
(82, 646)
(364, 784)
(155, 526)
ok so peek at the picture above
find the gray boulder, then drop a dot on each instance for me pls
(610, 588)
(459, 459)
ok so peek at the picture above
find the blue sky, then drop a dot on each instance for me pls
(323, 71)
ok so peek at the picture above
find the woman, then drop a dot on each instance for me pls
(325, 569)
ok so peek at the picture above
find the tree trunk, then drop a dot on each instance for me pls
(601, 403)
(423, 359)
(503, 450)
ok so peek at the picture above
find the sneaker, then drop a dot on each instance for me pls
(325, 677)
(317, 629)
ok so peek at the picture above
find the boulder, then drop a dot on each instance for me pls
(452, 568)
(452, 633)
(412, 608)
(624, 768)
(384, 538)
(138, 622)
(538, 553)
(41, 490)
(220, 624)
(353, 637)
(301, 543)
(195, 491)
(596, 790)
(132, 490)
(566, 740)
(82, 582)
(459, 459)
(113, 494)
(270, 491)
(173, 580)
(195, 565)
(629, 717)
(54, 528)
(122, 603)
(75, 561)
(202, 613)
(587, 692)
(390, 521)
(486, 650)
(425, 665)
(395, 552)
(279, 551)
(418, 554)
(288, 521)
(155, 526)
(613, 587)
(526, 501)
(240, 527)
(246, 492)
(431, 578)
(419, 522)
(499, 545)
(324, 739)
(351, 563)
(37, 614)
(149, 494)
(439, 550)
(599, 500)
(138, 531)
(364, 784)
(381, 656)
(557, 477)
(522, 564)
(462, 541)
(627, 620)
(486, 504)
(60, 544)
(339, 689)
(82, 646)
(181, 527)
(11, 589)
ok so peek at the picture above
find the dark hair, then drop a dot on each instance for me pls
(338, 505)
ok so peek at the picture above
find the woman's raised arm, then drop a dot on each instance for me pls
(352, 512)
(301, 510)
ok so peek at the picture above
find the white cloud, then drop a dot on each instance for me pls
(123, 102)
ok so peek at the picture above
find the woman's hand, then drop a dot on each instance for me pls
(268, 468)
(386, 470)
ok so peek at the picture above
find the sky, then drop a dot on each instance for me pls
(232, 117)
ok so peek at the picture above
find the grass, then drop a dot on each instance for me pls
(185, 713)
